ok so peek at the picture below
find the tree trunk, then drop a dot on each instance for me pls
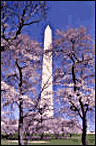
(41, 124)
(42, 136)
(20, 127)
(84, 130)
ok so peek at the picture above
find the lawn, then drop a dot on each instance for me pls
(51, 142)
(75, 140)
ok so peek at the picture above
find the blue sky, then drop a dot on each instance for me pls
(61, 14)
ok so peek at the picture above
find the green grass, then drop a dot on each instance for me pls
(60, 142)
(52, 142)
(73, 141)
(5, 142)
(91, 139)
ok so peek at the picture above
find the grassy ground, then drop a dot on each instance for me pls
(75, 140)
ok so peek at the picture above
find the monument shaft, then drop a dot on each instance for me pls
(46, 95)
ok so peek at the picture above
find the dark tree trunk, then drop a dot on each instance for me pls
(20, 127)
(84, 130)
(40, 110)
(70, 135)
(42, 136)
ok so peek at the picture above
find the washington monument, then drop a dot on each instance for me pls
(46, 95)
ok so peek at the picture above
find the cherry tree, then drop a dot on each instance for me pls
(18, 52)
(23, 75)
(75, 53)
(19, 78)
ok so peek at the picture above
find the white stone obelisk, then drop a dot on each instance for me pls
(46, 94)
